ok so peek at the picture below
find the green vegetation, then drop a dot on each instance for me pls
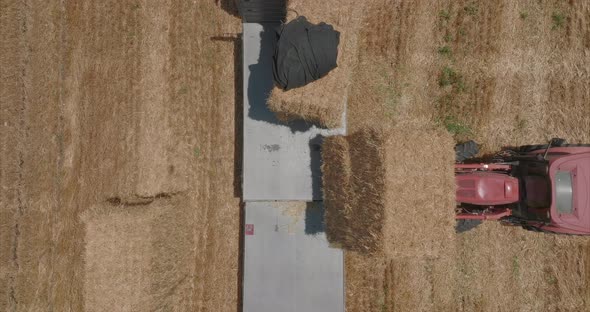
(515, 266)
(520, 123)
(551, 280)
(197, 152)
(523, 15)
(462, 31)
(390, 96)
(387, 90)
(445, 50)
(455, 126)
(471, 8)
(444, 15)
(448, 38)
(446, 101)
(558, 19)
(448, 77)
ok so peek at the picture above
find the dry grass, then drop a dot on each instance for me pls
(518, 81)
(11, 91)
(139, 258)
(523, 80)
(503, 268)
(397, 65)
(118, 103)
(118, 254)
(365, 280)
(323, 101)
(383, 186)
(355, 208)
(337, 179)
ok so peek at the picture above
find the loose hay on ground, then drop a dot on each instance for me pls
(323, 101)
(388, 176)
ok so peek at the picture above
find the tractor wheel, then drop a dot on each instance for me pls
(466, 225)
(556, 142)
(466, 150)
(531, 228)
(511, 221)
(530, 148)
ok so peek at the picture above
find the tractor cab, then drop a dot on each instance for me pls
(547, 189)
(569, 174)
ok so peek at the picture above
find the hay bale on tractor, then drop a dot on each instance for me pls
(323, 101)
(390, 192)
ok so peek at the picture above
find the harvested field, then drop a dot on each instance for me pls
(323, 101)
(120, 107)
(501, 73)
(116, 115)
(384, 182)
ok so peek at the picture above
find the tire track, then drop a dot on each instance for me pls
(13, 97)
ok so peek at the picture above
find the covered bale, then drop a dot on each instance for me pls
(390, 192)
(323, 101)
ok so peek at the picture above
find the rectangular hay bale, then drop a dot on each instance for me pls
(139, 257)
(391, 192)
(118, 259)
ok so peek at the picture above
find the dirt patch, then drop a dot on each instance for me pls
(323, 101)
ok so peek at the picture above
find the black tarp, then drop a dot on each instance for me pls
(304, 52)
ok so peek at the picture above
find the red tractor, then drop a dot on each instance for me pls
(543, 188)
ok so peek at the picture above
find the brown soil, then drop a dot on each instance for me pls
(124, 106)
(502, 73)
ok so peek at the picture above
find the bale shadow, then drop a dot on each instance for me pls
(229, 6)
(236, 40)
(314, 218)
(315, 152)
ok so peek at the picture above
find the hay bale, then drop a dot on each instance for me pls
(139, 257)
(390, 192)
(117, 260)
(323, 101)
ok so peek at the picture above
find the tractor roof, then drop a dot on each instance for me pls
(570, 179)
